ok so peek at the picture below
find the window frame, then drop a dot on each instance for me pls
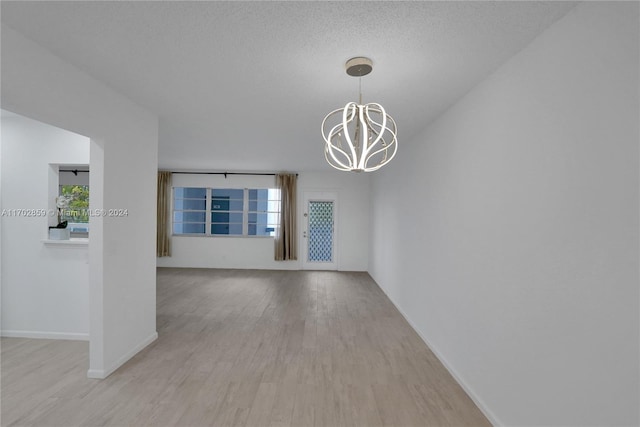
(173, 211)
(71, 224)
(267, 210)
(209, 213)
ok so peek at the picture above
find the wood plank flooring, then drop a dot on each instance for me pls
(247, 348)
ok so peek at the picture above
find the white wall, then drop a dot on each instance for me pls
(507, 232)
(257, 253)
(45, 289)
(124, 163)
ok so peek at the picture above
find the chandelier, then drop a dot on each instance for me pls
(359, 137)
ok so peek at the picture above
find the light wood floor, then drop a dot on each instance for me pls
(254, 348)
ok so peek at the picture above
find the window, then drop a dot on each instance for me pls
(189, 210)
(77, 215)
(225, 211)
(263, 212)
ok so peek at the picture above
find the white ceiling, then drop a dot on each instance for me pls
(245, 85)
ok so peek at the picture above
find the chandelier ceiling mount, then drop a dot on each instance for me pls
(359, 66)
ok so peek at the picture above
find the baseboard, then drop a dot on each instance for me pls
(45, 335)
(476, 399)
(96, 373)
(104, 373)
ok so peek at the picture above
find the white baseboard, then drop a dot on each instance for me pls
(95, 373)
(104, 373)
(476, 399)
(45, 335)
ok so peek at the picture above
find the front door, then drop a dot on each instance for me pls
(319, 232)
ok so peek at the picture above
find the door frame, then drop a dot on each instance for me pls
(318, 196)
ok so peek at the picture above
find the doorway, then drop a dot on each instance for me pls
(319, 231)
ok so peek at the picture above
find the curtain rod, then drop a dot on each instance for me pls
(73, 171)
(225, 173)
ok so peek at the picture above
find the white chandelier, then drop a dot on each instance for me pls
(359, 138)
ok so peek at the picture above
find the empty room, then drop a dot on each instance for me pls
(319, 213)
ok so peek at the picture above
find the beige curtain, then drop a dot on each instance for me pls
(285, 242)
(163, 242)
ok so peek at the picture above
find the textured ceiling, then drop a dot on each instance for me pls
(245, 85)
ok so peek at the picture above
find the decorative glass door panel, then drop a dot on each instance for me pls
(320, 231)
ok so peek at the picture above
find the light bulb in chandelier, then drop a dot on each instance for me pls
(359, 137)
